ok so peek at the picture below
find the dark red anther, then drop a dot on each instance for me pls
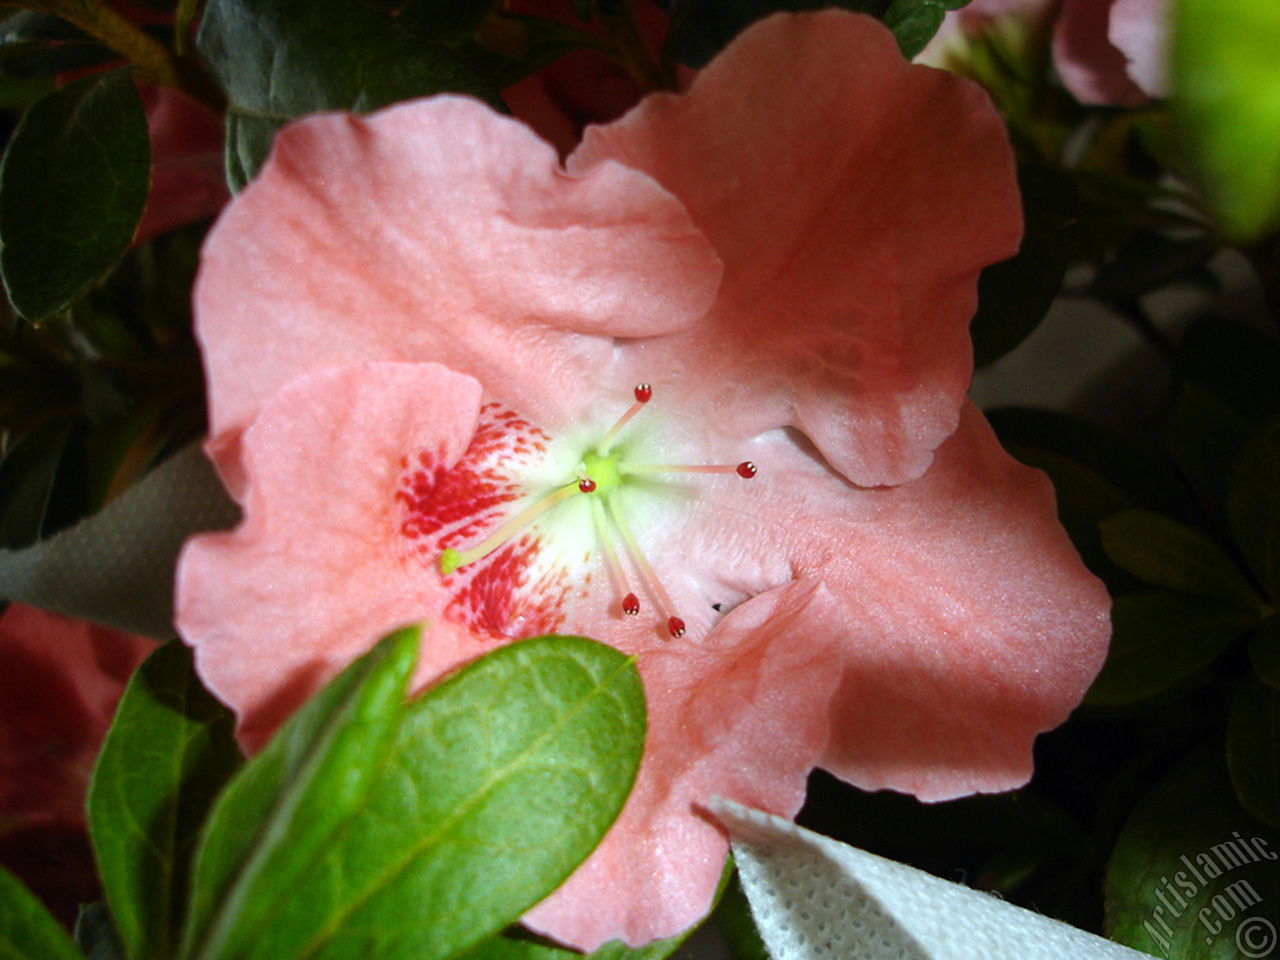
(643, 393)
(586, 484)
(676, 627)
(746, 469)
(630, 604)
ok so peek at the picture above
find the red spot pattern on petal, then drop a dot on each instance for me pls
(454, 507)
(503, 594)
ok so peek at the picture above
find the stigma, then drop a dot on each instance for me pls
(601, 475)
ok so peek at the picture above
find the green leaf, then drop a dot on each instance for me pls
(72, 189)
(1253, 749)
(281, 59)
(1159, 640)
(450, 22)
(1226, 80)
(498, 784)
(1150, 261)
(1254, 505)
(1264, 651)
(274, 820)
(1014, 295)
(702, 28)
(914, 22)
(1162, 551)
(1191, 871)
(27, 930)
(169, 751)
(28, 474)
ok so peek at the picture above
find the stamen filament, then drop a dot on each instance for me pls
(630, 602)
(451, 560)
(746, 469)
(674, 624)
(643, 393)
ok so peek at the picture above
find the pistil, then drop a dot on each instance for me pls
(451, 560)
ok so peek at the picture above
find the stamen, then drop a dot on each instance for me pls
(675, 626)
(630, 602)
(746, 470)
(451, 560)
(643, 394)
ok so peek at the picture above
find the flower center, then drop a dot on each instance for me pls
(602, 474)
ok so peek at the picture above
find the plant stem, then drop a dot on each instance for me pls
(151, 60)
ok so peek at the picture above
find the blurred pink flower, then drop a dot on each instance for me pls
(1107, 52)
(59, 682)
(419, 331)
(188, 178)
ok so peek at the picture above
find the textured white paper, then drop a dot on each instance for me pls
(816, 899)
(116, 567)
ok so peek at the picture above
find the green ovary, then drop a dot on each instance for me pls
(604, 471)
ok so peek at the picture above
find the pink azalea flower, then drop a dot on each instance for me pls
(188, 178)
(1112, 52)
(420, 330)
(60, 680)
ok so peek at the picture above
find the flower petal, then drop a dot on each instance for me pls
(741, 714)
(1090, 67)
(318, 572)
(971, 624)
(385, 237)
(854, 198)
(1139, 29)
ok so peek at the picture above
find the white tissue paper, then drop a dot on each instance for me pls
(816, 899)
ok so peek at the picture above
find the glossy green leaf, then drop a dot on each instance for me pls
(702, 28)
(1014, 295)
(914, 22)
(28, 474)
(497, 784)
(1192, 874)
(1226, 81)
(1254, 505)
(1253, 749)
(1164, 552)
(169, 751)
(1264, 651)
(281, 59)
(72, 189)
(27, 930)
(274, 820)
(1161, 639)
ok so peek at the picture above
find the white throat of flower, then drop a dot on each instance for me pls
(602, 474)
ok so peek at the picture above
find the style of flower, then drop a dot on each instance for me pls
(453, 382)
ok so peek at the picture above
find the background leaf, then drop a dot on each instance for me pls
(1160, 640)
(1189, 814)
(1227, 107)
(1162, 551)
(281, 59)
(169, 751)
(1253, 749)
(1254, 505)
(27, 930)
(1015, 294)
(72, 190)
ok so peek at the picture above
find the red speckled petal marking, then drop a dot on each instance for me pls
(508, 593)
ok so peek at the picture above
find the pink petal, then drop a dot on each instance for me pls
(971, 624)
(387, 237)
(1139, 29)
(1090, 67)
(741, 714)
(318, 570)
(853, 204)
